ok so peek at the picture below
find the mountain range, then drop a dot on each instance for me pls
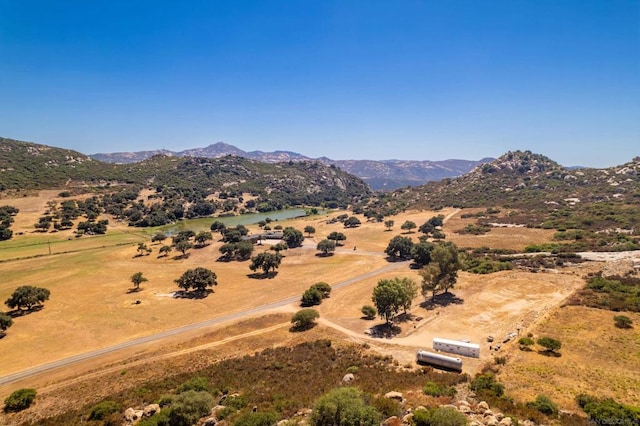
(379, 175)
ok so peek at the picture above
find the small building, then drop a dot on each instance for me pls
(456, 347)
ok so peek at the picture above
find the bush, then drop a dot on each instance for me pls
(369, 312)
(622, 321)
(304, 319)
(197, 384)
(323, 288)
(487, 383)
(436, 389)
(602, 411)
(443, 416)
(344, 406)
(103, 409)
(188, 407)
(19, 400)
(311, 296)
(545, 405)
(549, 343)
(257, 419)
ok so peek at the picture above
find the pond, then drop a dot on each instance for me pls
(204, 223)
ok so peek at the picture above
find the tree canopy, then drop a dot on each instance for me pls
(197, 279)
(266, 261)
(326, 246)
(399, 247)
(137, 279)
(28, 297)
(304, 319)
(441, 273)
(391, 295)
(5, 322)
(292, 237)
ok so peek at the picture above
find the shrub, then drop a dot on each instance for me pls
(197, 384)
(622, 321)
(19, 400)
(369, 312)
(549, 343)
(545, 405)
(386, 406)
(323, 288)
(103, 409)
(442, 416)
(525, 342)
(344, 406)
(311, 296)
(487, 383)
(604, 410)
(257, 419)
(436, 389)
(189, 406)
(304, 319)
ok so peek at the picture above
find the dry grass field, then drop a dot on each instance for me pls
(596, 359)
(91, 306)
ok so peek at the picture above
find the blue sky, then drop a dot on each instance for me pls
(346, 79)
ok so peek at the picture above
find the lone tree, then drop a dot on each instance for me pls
(5, 322)
(266, 261)
(326, 246)
(137, 279)
(441, 273)
(292, 237)
(525, 343)
(337, 237)
(386, 298)
(165, 250)
(389, 224)
(323, 288)
(309, 230)
(202, 237)
(352, 222)
(304, 319)
(142, 249)
(551, 345)
(158, 238)
(421, 253)
(399, 247)
(28, 297)
(408, 226)
(183, 247)
(310, 297)
(197, 279)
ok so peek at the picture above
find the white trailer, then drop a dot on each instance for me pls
(456, 347)
(424, 357)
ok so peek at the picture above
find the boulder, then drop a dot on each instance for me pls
(210, 421)
(482, 407)
(132, 416)
(490, 421)
(407, 419)
(392, 421)
(465, 409)
(215, 410)
(394, 395)
(304, 412)
(499, 416)
(488, 413)
(476, 423)
(506, 422)
(463, 402)
(348, 378)
(150, 410)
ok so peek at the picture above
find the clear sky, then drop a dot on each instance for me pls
(346, 79)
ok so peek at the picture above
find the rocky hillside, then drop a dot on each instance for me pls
(380, 175)
(26, 165)
(525, 180)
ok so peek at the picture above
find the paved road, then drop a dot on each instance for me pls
(10, 378)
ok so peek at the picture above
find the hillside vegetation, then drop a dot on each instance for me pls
(181, 186)
(592, 209)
